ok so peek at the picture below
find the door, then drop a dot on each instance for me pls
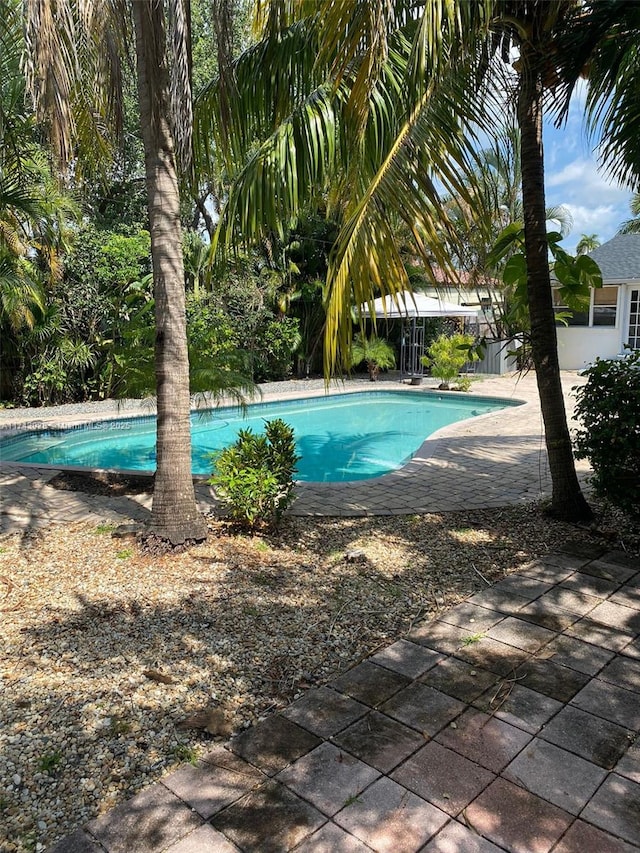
(634, 320)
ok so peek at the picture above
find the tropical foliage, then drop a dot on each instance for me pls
(447, 355)
(253, 478)
(377, 353)
(608, 409)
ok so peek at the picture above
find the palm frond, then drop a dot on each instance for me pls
(72, 67)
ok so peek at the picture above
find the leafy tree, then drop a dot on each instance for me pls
(34, 221)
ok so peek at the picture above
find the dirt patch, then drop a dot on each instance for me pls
(103, 483)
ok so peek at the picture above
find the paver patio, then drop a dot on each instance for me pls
(511, 723)
(532, 747)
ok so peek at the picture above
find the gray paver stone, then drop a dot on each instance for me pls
(445, 778)
(77, 842)
(632, 648)
(324, 712)
(581, 837)
(391, 819)
(521, 634)
(599, 741)
(455, 838)
(617, 616)
(274, 743)
(460, 679)
(423, 708)
(590, 584)
(472, 617)
(407, 658)
(492, 654)
(623, 673)
(149, 822)
(524, 586)
(555, 775)
(205, 839)
(610, 570)
(611, 702)
(271, 819)
(327, 777)
(616, 808)
(519, 706)
(502, 600)
(599, 635)
(369, 683)
(332, 839)
(547, 615)
(568, 599)
(439, 636)
(576, 654)
(544, 676)
(628, 595)
(629, 764)
(208, 789)
(516, 819)
(483, 739)
(380, 741)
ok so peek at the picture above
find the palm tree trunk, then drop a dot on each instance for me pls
(567, 501)
(175, 515)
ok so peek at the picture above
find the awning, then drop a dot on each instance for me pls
(408, 305)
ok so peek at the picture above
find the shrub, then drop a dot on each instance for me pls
(608, 408)
(254, 477)
(376, 352)
(447, 356)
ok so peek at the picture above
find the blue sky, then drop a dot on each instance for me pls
(598, 205)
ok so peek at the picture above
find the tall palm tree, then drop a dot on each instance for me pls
(389, 100)
(532, 28)
(632, 226)
(73, 49)
(587, 243)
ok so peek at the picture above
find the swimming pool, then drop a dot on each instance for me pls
(340, 437)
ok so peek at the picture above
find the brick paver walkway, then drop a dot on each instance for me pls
(509, 724)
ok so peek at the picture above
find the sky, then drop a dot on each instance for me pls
(572, 178)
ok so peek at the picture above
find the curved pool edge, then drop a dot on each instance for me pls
(59, 423)
(504, 463)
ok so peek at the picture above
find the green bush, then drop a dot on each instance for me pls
(253, 478)
(608, 408)
(376, 352)
(447, 356)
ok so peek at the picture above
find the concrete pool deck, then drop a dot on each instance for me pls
(496, 459)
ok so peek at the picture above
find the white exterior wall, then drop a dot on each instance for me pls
(578, 346)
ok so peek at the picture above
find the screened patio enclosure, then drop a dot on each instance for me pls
(412, 309)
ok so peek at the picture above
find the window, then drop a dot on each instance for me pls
(605, 301)
(604, 308)
(572, 318)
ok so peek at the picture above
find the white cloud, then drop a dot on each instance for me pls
(602, 219)
(597, 205)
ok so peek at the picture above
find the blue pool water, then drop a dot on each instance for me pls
(340, 437)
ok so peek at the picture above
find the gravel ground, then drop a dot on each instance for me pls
(106, 650)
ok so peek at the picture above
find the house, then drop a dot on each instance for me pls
(613, 320)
